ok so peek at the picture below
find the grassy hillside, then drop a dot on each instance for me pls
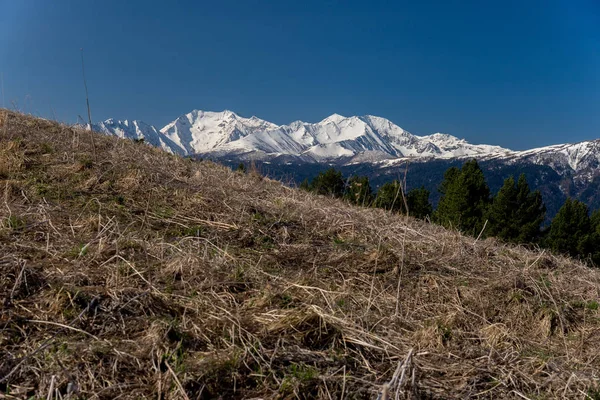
(140, 274)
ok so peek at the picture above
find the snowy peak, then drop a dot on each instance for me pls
(137, 130)
(333, 118)
(582, 158)
(334, 139)
(341, 140)
(201, 131)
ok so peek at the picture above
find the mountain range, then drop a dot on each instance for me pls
(371, 144)
(334, 139)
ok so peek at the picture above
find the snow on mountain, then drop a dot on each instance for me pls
(337, 139)
(136, 130)
(202, 131)
(270, 142)
(582, 158)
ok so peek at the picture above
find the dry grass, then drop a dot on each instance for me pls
(148, 275)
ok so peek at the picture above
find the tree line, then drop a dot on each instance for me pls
(515, 214)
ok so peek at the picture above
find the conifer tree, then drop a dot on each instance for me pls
(358, 191)
(329, 183)
(531, 212)
(444, 209)
(305, 185)
(389, 197)
(465, 198)
(594, 238)
(241, 168)
(418, 203)
(516, 213)
(570, 230)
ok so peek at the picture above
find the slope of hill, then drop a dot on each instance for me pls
(135, 273)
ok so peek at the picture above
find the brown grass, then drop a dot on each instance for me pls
(148, 275)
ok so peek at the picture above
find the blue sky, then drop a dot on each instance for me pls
(514, 73)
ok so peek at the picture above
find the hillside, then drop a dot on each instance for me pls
(134, 273)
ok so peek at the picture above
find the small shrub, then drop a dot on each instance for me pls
(78, 251)
(15, 222)
(46, 148)
(85, 162)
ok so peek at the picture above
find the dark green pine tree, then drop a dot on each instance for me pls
(570, 230)
(516, 213)
(329, 183)
(465, 198)
(389, 197)
(501, 214)
(442, 215)
(305, 185)
(241, 168)
(418, 203)
(594, 239)
(531, 212)
(358, 191)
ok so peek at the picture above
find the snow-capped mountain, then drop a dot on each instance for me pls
(582, 159)
(136, 130)
(202, 131)
(371, 146)
(337, 139)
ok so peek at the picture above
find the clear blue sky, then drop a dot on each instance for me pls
(514, 73)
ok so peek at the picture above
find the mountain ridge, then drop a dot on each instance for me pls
(337, 139)
(202, 132)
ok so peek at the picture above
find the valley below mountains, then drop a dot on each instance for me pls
(367, 145)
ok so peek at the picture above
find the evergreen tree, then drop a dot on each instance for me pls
(418, 203)
(389, 197)
(329, 183)
(305, 185)
(359, 191)
(516, 213)
(465, 198)
(531, 212)
(594, 238)
(241, 168)
(444, 209)
(570, 230)
(450, 177)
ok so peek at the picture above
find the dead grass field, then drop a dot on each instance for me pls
(145, 275)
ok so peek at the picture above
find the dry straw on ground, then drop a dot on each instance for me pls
(149, 275)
